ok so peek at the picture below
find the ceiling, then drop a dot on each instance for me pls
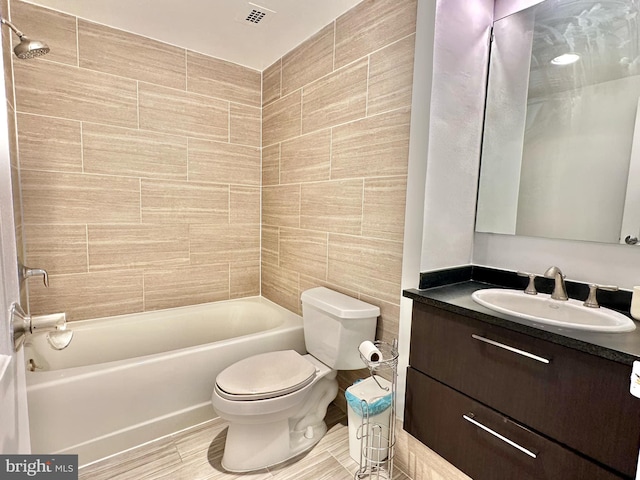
(605, 33)
(215, 27)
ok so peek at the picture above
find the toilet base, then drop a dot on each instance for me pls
(266, 432)
(252, 447)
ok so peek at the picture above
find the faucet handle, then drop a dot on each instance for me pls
(26, 272)
(591, 300)
(531, 287)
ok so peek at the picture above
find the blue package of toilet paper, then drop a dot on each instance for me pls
(367, 402)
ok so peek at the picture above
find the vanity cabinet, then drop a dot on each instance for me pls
(473, 387)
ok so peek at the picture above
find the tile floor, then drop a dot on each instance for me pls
(195, 454)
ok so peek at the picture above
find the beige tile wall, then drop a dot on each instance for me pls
(335, 137)
(140, 172)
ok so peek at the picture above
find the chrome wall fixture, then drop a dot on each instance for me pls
(27, 48)
(22, 323)
(54, 324)
(26, 272)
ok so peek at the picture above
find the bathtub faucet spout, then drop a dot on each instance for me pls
(46, 323)
(55, 324)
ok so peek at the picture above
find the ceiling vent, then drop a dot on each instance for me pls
(252, 15)
(255, 16)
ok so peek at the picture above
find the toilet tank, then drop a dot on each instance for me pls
(335, 325)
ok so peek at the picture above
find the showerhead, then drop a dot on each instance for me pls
(27, 48)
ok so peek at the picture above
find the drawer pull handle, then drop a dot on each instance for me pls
(511, 349)
(469, 418)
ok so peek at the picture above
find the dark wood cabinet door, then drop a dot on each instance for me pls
(577, 399)
(485, 444)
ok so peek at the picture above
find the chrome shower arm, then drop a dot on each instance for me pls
(12, 27)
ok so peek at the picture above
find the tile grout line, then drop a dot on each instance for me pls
(138, 105)
(335, 33)
(366, 97)
(82, 147)
(77, 43)
(86, 233)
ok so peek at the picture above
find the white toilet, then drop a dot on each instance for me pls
(276, 402)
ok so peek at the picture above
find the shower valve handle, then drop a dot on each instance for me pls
(26, 272)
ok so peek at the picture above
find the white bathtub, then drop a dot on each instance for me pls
(130, 379)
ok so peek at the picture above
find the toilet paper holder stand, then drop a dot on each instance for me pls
(377, 440)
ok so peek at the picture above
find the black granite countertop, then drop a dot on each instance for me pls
(456, 298)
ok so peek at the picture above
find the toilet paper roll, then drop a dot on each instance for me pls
(635, 303)
(370, 351)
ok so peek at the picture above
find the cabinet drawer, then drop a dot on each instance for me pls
(577, 399)
(476, 439)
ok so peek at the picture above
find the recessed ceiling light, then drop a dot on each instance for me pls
(565, 59)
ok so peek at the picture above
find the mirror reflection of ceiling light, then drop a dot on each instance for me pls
(565, 59)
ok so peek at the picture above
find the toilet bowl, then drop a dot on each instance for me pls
(276, 402)
(268, 430)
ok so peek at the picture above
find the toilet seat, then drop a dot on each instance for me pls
(264, 376)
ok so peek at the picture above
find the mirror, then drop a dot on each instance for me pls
(559, 154)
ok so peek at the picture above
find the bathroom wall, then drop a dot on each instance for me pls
(439, 225)
(503, 8)
(140, 166)
(15, 170)
(588, 262)
(335, 135)
(140, 170)
(457, 108)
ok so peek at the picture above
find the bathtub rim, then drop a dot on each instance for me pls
(41, 378)
(149, 313)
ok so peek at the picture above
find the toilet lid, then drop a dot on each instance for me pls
(265, 375)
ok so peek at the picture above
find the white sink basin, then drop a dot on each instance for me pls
(543, 309)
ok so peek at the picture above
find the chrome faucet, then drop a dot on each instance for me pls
(26, 272)
(559, 289)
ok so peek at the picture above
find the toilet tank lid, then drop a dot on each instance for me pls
(338, 304)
